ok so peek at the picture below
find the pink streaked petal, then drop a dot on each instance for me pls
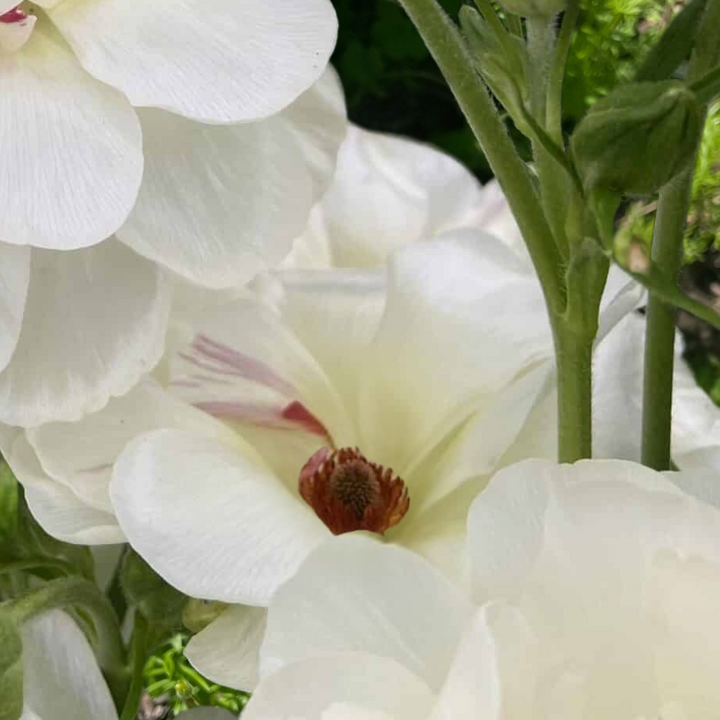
(297, 413)
(294, 416)
(15, 15)
(220, 358)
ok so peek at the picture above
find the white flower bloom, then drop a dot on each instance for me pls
(61, 680)
(595, 590)
(74, 75)
(217, 205)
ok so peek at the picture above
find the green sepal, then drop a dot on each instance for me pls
(144, 589)
(31, 541)
(501, 59)
(674, 45)
(11, 669)
(198, 614)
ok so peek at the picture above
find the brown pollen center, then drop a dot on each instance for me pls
(348, 492)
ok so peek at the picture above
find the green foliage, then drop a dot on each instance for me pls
(168, 673)
(612, 39)
(160, 603)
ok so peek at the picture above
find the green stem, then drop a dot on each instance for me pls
(574, 367)
(447, 47)
(75, 592)
(139, 656)
(667, 247)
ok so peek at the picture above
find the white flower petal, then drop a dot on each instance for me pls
(534, 494)
(219, 204)
(366, 605)
(228, 650)
(210, 518)
(14, 282)
(59, 510)
(494, 672)
(81, 454)
(220, 61)
(619, 384)
(246, 367)
(447, 338)
(71, 149)
(354, 686)
(389, 192)
(62, 679)
(94, 324)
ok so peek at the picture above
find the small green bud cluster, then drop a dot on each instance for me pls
(637, 138)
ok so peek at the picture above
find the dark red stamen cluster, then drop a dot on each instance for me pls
(348, 492)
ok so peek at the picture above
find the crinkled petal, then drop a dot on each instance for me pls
(228, 650)
(71, 149)
(221, 61)
(59, 510)
(62, 678)
(81, 454)
(94, 323)
(373, 598)
(219, 204)
(389, 192)
(494, 671)
(354, 686)
(209, 516)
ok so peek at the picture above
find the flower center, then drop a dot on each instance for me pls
(16, 26)
(348, 492)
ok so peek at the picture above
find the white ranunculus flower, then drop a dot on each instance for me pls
(61, 679)
(595, 594)
(77, 77)
(217, 205)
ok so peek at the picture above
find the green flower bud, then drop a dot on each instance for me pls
(534, 8)
(637, 138)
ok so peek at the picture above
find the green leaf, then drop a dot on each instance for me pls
(11, 669)
(674, 45)
(159, 602)
(32, 542)
(8, 509)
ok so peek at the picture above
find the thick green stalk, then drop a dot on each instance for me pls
(573, 349)
(574, 367)
(667, 249)
(448, 48)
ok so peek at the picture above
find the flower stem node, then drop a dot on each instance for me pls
(534, 8)
(348, 492)
(637, 138)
